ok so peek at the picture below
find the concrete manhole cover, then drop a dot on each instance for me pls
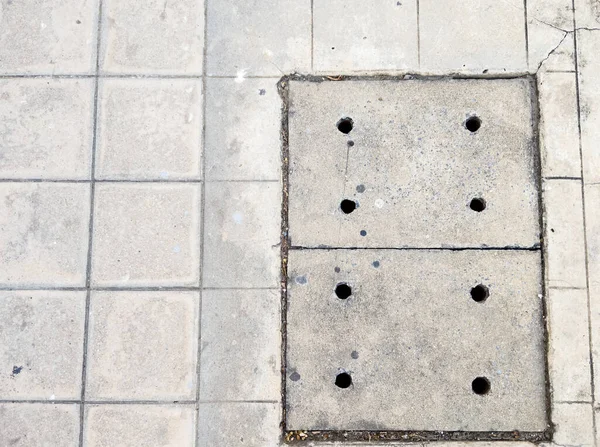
(414, 270)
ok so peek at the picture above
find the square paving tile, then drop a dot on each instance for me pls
(149, 129)
(152, 37)
(565, 239)
(573, 424)
(559, 131)
(258, 38)
(142, 346)
(588, 44)
(41, 37)
(587, 13)
(239, 424)
(415, 340)
(241, 234)
(416, 163)
(491, 36)
(33, 140)
(37, 425)
(243, 129)
(139, 425)
(545, 21)
(352, 35)
(241, 340)
(146, 234)
(44, 232)
(569, 345)
(592, 222)
(41, 344)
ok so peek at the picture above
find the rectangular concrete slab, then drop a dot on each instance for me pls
(352, 35)
(472, 36)
(411, 166)
(39, 424)
(413, 340)
(137, 425)
(152, 37)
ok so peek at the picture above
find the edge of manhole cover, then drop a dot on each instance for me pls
(383, 436)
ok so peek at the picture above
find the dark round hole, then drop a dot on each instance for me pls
(477, 204)
(348, 206)
(480, 293)
(343, 291)
(345, 125)
(343, 380)
(481, 386)
(473, 124)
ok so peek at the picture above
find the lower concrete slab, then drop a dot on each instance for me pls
(423, 340)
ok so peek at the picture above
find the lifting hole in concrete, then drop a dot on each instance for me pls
(343, 291)
(343, 380)
(477, 204)
(345, 125)
(473, 124)
(347, 206)
(481, 386)
(480, 293)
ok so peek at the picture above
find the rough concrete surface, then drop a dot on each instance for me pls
(410, 164)
(413, 340)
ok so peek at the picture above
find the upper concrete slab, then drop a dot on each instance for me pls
(410, 164)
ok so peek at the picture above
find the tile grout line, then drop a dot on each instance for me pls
(562, 178)
(526, 34)
(88, 273)
(585, 238)
(201, 228)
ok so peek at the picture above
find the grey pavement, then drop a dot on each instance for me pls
(140, 208)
